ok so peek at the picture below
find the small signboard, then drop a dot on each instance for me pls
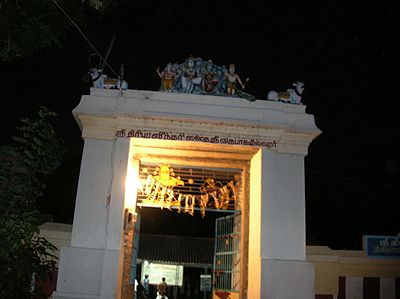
(173, 273)
(382, 246)
(205, 282)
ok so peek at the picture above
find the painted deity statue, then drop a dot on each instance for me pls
(232, 79)
(220, 74)
(190, 75)
(210, 77)
(167, 77)
(200, 76)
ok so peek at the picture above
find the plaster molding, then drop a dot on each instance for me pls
(102, 113)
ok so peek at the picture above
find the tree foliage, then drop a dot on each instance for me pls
(29, 26)
(34, 154)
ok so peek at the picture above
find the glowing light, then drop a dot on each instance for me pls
(132, 183)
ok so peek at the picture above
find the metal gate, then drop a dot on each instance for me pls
(227, 254)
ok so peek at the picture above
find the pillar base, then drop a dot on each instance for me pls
(285, 279)
(84, 272)
(60, 295)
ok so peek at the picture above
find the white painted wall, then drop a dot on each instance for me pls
(80, 261)
(90, 267)
(277, 266)
(354, 287)
(94, 191)
(387, 288)
(283, 210)
(284, 279)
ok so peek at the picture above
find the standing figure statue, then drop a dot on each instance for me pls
(167, 77)
(231, 79)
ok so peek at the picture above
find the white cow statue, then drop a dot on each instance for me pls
(291, 95)
(102, 81)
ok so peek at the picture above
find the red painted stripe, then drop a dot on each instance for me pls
(371, 288)
(342, 288)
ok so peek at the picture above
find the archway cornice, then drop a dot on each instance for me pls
(106, 114)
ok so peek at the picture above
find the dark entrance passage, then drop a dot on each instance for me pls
(178, 239)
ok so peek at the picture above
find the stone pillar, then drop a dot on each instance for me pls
(91, 266)
(277, 240)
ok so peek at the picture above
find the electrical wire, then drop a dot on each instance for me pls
(84, 36)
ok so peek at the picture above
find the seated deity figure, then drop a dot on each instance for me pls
(190, 76)
(220, 76)
(231, 79)
(210, 79)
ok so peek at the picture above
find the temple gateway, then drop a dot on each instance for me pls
(195, 154)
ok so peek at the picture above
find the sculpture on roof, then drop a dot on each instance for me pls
(191, 75)
(232, 79)
(291, 95)
(198, 76)
(96, 74)
(101, 80)
(211, 77)
(167, 77)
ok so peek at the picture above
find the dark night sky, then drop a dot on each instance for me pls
(346, 54)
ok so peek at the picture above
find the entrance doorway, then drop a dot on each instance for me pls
(196, 172)
(195, 234)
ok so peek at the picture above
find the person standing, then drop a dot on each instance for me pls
(162, 288)
(146, 285)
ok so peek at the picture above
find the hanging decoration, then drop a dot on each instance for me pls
(159, 191)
